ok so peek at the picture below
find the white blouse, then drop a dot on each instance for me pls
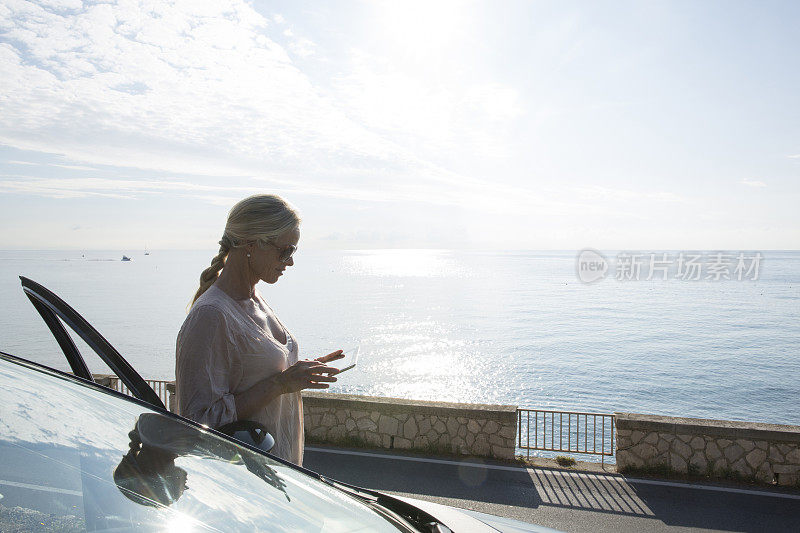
(222, 351)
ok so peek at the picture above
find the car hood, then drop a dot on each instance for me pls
(465, 520)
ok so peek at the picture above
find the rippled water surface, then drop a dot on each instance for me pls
(513, 328)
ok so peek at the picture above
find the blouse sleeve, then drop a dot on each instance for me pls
(203, 366)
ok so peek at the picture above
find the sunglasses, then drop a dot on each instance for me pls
(284, 254)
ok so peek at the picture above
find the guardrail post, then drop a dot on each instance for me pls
(172, 405)
(104, 379)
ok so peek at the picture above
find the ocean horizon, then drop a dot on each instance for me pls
(505, 327)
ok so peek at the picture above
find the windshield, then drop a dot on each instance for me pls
(76, 459)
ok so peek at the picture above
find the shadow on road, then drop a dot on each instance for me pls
(542, 488)
(725, 511)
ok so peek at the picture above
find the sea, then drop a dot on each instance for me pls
(498, 327)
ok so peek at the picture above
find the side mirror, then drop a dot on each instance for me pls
(251, 433)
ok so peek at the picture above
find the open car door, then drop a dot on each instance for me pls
(56, 312)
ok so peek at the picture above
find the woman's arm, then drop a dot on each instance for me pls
(299, 376)
(204, 362)
(203, 366)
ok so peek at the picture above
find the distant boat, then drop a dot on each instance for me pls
(145, 251)
(126, 258)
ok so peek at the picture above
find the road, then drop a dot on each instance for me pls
(564, 500)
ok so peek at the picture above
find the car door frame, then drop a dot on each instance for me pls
(56, 312)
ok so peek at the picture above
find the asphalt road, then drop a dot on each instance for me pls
(564, 500)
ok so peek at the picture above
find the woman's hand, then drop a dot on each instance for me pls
(333, 356)
(306, 375)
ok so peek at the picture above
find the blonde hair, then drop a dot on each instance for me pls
(260, 218)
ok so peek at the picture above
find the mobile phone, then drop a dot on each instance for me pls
(348, 361)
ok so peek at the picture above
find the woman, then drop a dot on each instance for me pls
(234, 358)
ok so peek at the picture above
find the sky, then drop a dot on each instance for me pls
(406, 124)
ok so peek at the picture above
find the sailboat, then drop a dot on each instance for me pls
(145, 250)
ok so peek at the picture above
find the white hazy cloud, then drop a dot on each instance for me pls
(625, 195)
(302, 47)
(71, 167)
(111, 188)
(421, 113)
(74, 167)
(176, 86)
(85, 187)
(201, 88)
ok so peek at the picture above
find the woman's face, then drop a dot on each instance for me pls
(265, 262)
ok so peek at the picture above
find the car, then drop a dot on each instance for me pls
(77, 456)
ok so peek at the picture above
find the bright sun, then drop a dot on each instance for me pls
(421, 29)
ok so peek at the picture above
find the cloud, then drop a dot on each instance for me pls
(185, 86)
(87, 187)
(753, 183)
(597, 192)
(71, 167)
(794, 156)
(203, 89)
(302, 47)
(102, 187)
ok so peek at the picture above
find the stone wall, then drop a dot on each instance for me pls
(433, 427)
(764, 452)
(391, 423)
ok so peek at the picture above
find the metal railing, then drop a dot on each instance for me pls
(537, 429)
(164, 389)
(549, 430)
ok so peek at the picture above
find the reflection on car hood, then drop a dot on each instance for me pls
(509, 525)
(82, 454)
(465, 520)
